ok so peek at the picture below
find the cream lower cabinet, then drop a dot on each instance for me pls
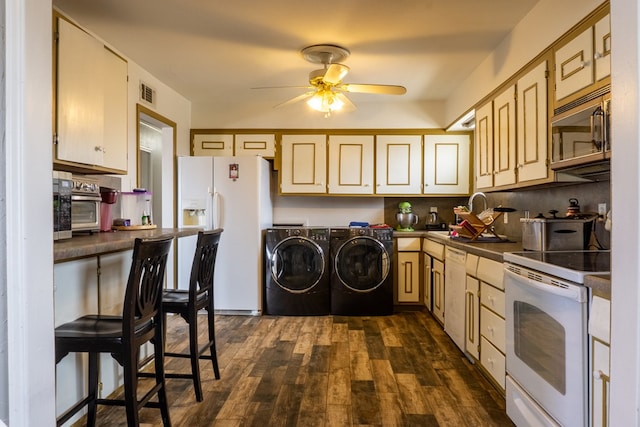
(408, 270)
(91, 101)
(303, 168)
(351, 164)
(472, 308)
(398, 164)
(446, 164)
(438, 290)
(432, 254)
(599, 337)
(492, 320)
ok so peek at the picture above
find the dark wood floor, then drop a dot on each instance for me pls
(399, 370)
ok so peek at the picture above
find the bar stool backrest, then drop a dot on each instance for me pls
(203, 266)
(143, 296)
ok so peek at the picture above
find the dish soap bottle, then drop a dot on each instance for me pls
(146, 217)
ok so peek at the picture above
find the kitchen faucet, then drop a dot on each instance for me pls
(473, 196)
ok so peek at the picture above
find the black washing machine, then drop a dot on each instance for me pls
(362, 279)
(298, 273)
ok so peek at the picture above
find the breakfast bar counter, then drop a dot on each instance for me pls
(105, 242)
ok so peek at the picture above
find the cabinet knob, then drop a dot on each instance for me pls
(597, 55)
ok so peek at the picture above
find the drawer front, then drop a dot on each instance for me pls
(492, 327)
(493, 361)
(471, 265)
(492, 298)
(491, 271)
(434, 249)
(408, 243)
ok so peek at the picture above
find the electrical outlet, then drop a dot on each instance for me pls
(602, 209)
(506, 217)
(433, 209)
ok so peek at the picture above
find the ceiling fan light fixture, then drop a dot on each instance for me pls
(325, 101)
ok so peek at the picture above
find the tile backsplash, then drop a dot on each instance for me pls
(534, 201)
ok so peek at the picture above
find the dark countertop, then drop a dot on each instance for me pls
(489, 250)
(99, 243)
(600, 285)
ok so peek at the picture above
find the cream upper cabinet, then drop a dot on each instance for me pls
(504, 138)
(532, 142)
(398, 164)
(206, 144)
(602, 48)
(584, 60)
(255, 145)
(91, 101)
(484, 146)
(446, 164)
(351, 164)
(303, 167)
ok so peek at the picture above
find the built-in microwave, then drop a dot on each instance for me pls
(580, 132)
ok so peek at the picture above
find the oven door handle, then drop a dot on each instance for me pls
(575, 293)
(82, 198)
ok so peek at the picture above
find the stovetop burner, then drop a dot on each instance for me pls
(569, 265)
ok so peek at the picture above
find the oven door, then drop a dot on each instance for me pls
(547, 353)
(85, 213)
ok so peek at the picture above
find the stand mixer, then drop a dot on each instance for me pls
(406, 219)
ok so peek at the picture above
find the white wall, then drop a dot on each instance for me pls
(546, 22)
(625, 235)
(324, 211)
(27, 376)
(381, 114)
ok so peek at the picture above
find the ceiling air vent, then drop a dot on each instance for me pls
(147, 94)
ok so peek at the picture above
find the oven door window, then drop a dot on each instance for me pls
(84, 213)
(540, 342)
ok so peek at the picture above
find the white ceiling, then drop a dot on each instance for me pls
(215, 49)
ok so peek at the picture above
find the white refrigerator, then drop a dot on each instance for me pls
(232, 193)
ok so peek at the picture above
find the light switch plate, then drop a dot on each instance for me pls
(602, 209)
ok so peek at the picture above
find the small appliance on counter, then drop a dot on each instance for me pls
(406, 219)
(109, 198)
(434, 223)
(570, 233)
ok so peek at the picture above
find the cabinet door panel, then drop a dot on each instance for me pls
(472, 317)
(304, 164)
(446, 164)
(532, 124)
(504, 138)
(212, 145)
(398, 164)
(602, 52)
(351, 164)
(574, 65)
(484, 146)
(408, 277)
(80, 99)
(427, 280)
(438, 290)
(255, 145)
(115, 111)
(600, 389)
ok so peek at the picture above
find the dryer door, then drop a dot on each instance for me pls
(362, 264)
(297, 264)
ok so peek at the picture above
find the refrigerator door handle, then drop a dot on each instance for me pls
(215, 211)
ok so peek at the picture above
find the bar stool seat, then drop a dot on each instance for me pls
(198, 297)
(122, 336)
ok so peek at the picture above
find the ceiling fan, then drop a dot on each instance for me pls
(326, 89)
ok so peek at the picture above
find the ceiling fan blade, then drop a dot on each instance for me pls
(348, 105)
(335, 73)
(379, 89)
(295, 99)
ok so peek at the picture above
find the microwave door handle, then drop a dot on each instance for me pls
(597, 128)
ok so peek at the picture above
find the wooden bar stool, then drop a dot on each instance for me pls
(187, 303)
(122, 336)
